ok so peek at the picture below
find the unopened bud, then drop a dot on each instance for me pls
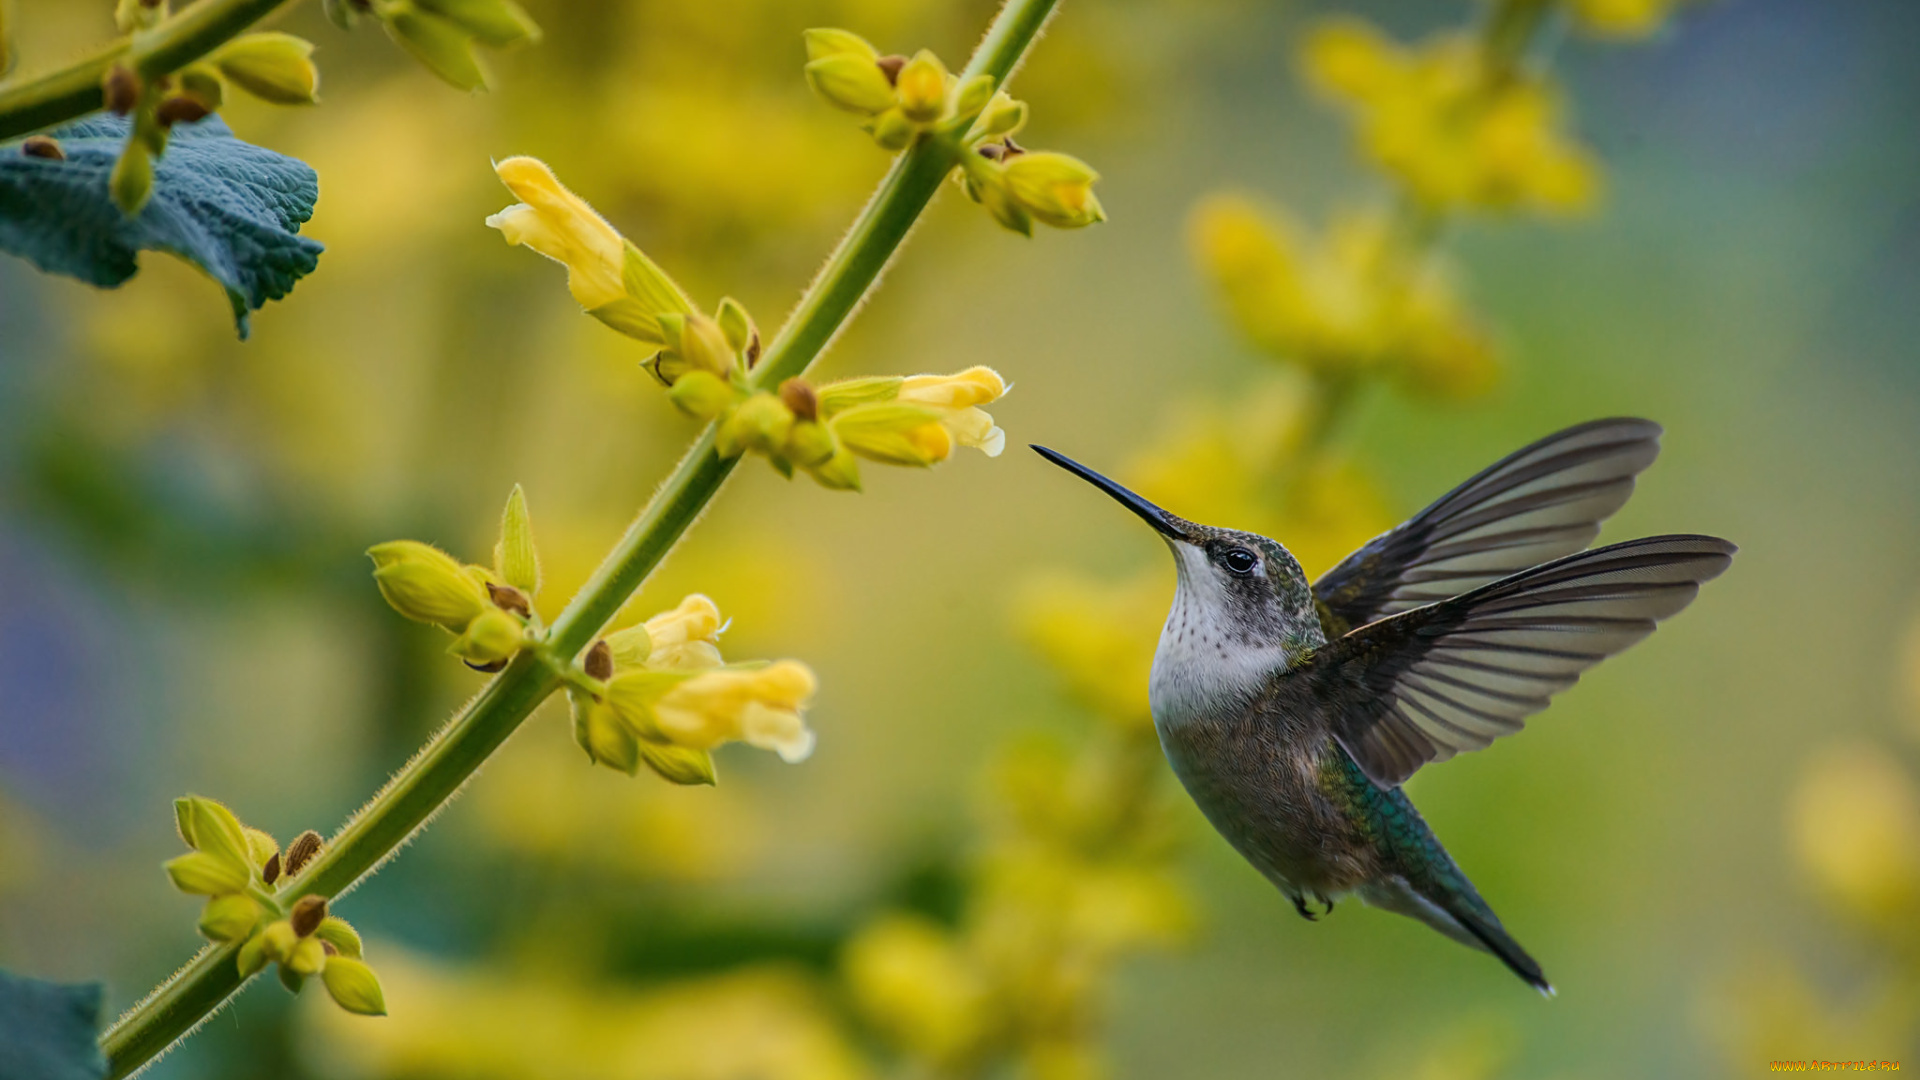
(426, 584)
(518, 561)
(308, 957)
(1055, 188)
(702, 394)
(1002, 117)
(760, 423)
(608, 741)
(43, 146)
(353, 987)
(892, 130)
(704, 346)
(973, 96)
(120, 90)
(810, 443)
(598, 663)
(492, 637)
(498, 23)
(270, 872)
(922, 85)
(306, 915)
(839, 472)
(445, 48)
(253, 956)
(132, 181)
(272, 66)
(851, 82)
(301, 851)
(230, 917)
(827, 42)
(508, 598)
(333, 930)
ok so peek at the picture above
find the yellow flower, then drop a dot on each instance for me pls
(1856, 826)
(1099, 637)
(910, 978)
(686, 638)
(759, 707)
(1055, 188)
(1624, 19)
(560, 225)
(1453, 134)
(958, 399)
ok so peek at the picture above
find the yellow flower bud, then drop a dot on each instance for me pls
(132, 180)
(491, 637)
(825, 42)
(560, 225)
(892, 130)
(515, 558)
(307, 957)
(836, 397)
(894, 433)
(261, 847)
(841, 472)
(1003, 116)
(742, 335)
(426, 584)
(629, 648)
(1055, 188)
(972, 97)
(279, 941)
(975, 386)
(703, 345)
(852, 82)
(606, 739)
(205, 874)
(230, 917)
(696, 618)
(922, 87)
(760, 424)
(810, 444)
(677, 764)
(203, 84)
(1623, 19)
(761, 707)
(353, 987)
(1856, 828)
(498, 23)
(441, 45)
(335, 931)
(910, 978)
(207, 825)
(702, 394)
(272, 66)
(987, 184)
(253, 956)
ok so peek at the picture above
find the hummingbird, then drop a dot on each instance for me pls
(1292, 713)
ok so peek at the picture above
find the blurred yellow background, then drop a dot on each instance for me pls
(1712, 844)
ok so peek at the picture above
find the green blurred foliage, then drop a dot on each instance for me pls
(181, 519)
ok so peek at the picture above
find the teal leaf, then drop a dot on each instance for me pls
(230, 208)
(49, 1031)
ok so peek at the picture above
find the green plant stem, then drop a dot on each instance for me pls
(27, 105)
(436, 774)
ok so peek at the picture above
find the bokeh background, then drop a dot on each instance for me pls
(1712, 844)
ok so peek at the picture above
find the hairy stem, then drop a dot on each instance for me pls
(27, 105)
(438, 771)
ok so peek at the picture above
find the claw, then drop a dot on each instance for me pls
(1300, 905)
(1328, 908)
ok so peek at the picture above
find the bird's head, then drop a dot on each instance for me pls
(1239, 588)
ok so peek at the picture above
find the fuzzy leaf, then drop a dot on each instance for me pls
(228, 207)
(48, 1031)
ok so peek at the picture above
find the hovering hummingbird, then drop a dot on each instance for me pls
(1292, 713)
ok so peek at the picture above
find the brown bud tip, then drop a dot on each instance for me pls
(992, 151)
(327, 947)
(1014, 149)
(270, 873)
(43, 146)
(890, 67)
(800, 399)
(490, 668)
(301, 852)
(599, 661)
(508, 598)
(121, 89)
(306, 914)
(180, 109)
(753, 350)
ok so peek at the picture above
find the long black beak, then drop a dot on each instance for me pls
(1167, 525)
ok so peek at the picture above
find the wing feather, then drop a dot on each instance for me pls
(1535, 505)
(1453, 676)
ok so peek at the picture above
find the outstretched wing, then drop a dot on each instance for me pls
(1532, 506)
(1429, 683)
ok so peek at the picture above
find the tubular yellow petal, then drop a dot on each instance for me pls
(562, 226)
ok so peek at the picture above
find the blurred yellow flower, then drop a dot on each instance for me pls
(1909, 675)
(1099, 636)
(1624, 19)
(1354, 302)
(1435, 118)
(1855, 826)
(910, 978)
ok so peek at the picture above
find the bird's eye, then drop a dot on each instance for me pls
(1240, 561)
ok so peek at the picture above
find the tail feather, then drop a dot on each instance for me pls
(1486, 929)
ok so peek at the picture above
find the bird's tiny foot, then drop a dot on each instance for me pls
(1300, 905)
(1327, 908)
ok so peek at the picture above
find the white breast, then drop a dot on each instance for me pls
(1202, 668)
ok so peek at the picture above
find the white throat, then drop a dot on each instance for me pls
(1204, 667)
